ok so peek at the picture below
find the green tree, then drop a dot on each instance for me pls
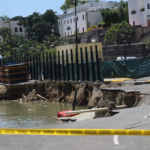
(4, 18)
(116, 15)
(16, 18)
(38, 26)
(4, 31)
(110, 16)
(116, 33)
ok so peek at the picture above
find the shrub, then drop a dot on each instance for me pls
(103, 24)
(94, 27)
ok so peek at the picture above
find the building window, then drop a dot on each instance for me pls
(70, 20)
(83, 29)
(20, 29)
(64, 21)
(83, 17)
(16, 29)
(133, 12)
(142, 9)
(148, 6)
(67, 21)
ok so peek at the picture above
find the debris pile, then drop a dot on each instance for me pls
(32, 96)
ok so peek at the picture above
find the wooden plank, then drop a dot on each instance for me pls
(95, 110)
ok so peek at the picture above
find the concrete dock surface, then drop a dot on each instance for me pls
(132, 118)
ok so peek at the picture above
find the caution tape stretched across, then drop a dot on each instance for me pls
(75, 132)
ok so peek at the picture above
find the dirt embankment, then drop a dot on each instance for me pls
(87, 95)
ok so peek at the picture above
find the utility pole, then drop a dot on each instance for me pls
(76, 25)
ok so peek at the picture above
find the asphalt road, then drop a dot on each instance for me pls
(132, 118)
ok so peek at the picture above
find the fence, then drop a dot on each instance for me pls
(135, 68)
(61, 66)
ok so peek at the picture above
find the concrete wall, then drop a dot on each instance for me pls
(94, 17)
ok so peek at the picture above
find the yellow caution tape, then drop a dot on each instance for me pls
(76, 132)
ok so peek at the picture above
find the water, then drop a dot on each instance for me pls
(29, 113)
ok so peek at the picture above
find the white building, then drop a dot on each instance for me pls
(15, 29)
(88, 14)
(139, 12)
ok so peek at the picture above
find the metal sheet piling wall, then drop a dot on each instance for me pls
(62, 66)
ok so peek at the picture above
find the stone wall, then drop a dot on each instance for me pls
(139, 33)
(87, 37)
(111, 53)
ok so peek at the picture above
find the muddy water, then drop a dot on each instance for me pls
(29, 114)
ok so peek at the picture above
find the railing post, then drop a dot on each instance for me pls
(101, 77)
(31, 65)
(58, 67)
(51, 72)
(82, 72)
(55, 70)
(72, 67)
(97, 63)
(87, 65)
(34, 67)
(39, 67)
(44, 65)
(92, 65)
(67, 67)
(63, 73)
(77, 65)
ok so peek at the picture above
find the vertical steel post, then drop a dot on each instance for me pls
(63, 72)
(82, 72)
(67, 67)
(58, 67)
(72, 67)
(92, 65)
(87, 65)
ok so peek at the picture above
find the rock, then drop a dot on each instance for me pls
(94, 99)
(81, 97)
(96, 95)
(119, 98)
(130, 99)
(101, 104)
(103, 86)
(111, 106)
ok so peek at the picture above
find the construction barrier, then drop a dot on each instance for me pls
(75, 132)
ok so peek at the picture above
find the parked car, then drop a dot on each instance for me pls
(127, 58)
